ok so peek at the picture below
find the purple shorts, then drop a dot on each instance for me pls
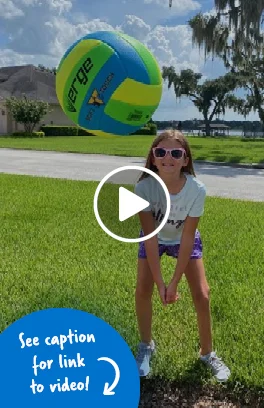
(173, 250)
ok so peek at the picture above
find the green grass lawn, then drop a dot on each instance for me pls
(231, 150)
(54, 254)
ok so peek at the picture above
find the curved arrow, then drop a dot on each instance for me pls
(109, 390)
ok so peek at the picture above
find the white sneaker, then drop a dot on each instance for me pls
(143, 357)
(219, 369)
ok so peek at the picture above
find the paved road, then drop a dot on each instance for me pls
(221, 181)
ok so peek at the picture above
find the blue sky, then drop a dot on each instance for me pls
(40, 31)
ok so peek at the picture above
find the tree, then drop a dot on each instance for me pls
(211, 97)
(244, 18)
(217, 37)
(251, 76)
(248, 66)
(26, 111)
(46, 69)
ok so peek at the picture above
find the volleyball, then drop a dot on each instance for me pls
(109, 83)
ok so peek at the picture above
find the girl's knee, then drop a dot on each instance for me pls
(144, 290)
(145, 283)
(202, 295)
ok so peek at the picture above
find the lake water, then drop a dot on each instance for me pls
(237, 133)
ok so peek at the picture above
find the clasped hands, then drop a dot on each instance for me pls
(169, 294)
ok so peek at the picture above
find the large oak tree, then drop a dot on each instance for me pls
(210, 97)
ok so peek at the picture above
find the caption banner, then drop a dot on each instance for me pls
(63, 357)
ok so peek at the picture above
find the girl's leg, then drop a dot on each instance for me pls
(143, 297)
(195, 275)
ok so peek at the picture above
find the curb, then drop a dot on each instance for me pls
(211, 163)
(236, 165)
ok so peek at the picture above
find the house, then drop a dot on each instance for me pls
(35, 84)
(217, 129)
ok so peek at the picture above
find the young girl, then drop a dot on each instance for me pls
(170, 157)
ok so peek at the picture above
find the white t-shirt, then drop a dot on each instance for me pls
(188, 202)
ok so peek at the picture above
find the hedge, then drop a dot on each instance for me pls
(26, 134)
(64, 131)
(150, 129)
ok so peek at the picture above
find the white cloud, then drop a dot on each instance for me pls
(29, 32)
(16, 8)
(46, 29)
(62, 6)
(79, 18)
(170, 45)
(40, 31)
(173, 46)
(11, 58)
(178, 6)
(66, 33)
(9, 10)
(135, 27)
(44, 32)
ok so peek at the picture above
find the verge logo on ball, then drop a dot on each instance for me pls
(81, 78)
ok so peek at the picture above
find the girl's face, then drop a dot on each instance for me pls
(165, 163)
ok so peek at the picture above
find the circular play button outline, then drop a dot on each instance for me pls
(118, 170)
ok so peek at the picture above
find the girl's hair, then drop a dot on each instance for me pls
(170, 134)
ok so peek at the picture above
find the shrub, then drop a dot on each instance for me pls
(147, 130)
(153, 128)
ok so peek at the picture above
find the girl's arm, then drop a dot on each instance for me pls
(186, 248)
(151, 247)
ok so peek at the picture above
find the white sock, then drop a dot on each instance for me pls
(206, 356)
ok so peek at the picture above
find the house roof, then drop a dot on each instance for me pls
(28, 80)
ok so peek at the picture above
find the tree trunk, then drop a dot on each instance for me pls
(207, 128)
(258, 102)
(207, 122)
(27, 127)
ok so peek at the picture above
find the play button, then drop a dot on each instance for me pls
(130, 204)
(116, 206)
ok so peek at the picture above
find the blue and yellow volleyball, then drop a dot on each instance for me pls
(109, 83)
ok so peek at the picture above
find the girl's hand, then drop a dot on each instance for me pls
(171, 293)
(162, 292)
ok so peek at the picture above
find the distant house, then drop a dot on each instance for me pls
(217, 129)
(35, 84)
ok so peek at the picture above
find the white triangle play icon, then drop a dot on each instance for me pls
(130, 204)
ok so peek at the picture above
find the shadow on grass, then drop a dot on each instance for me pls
(261, 140)
(221, 158)
(189, 392)
(201, 158)
(198, 147)
(235, 159)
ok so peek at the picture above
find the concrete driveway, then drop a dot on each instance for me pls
(222, 181)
